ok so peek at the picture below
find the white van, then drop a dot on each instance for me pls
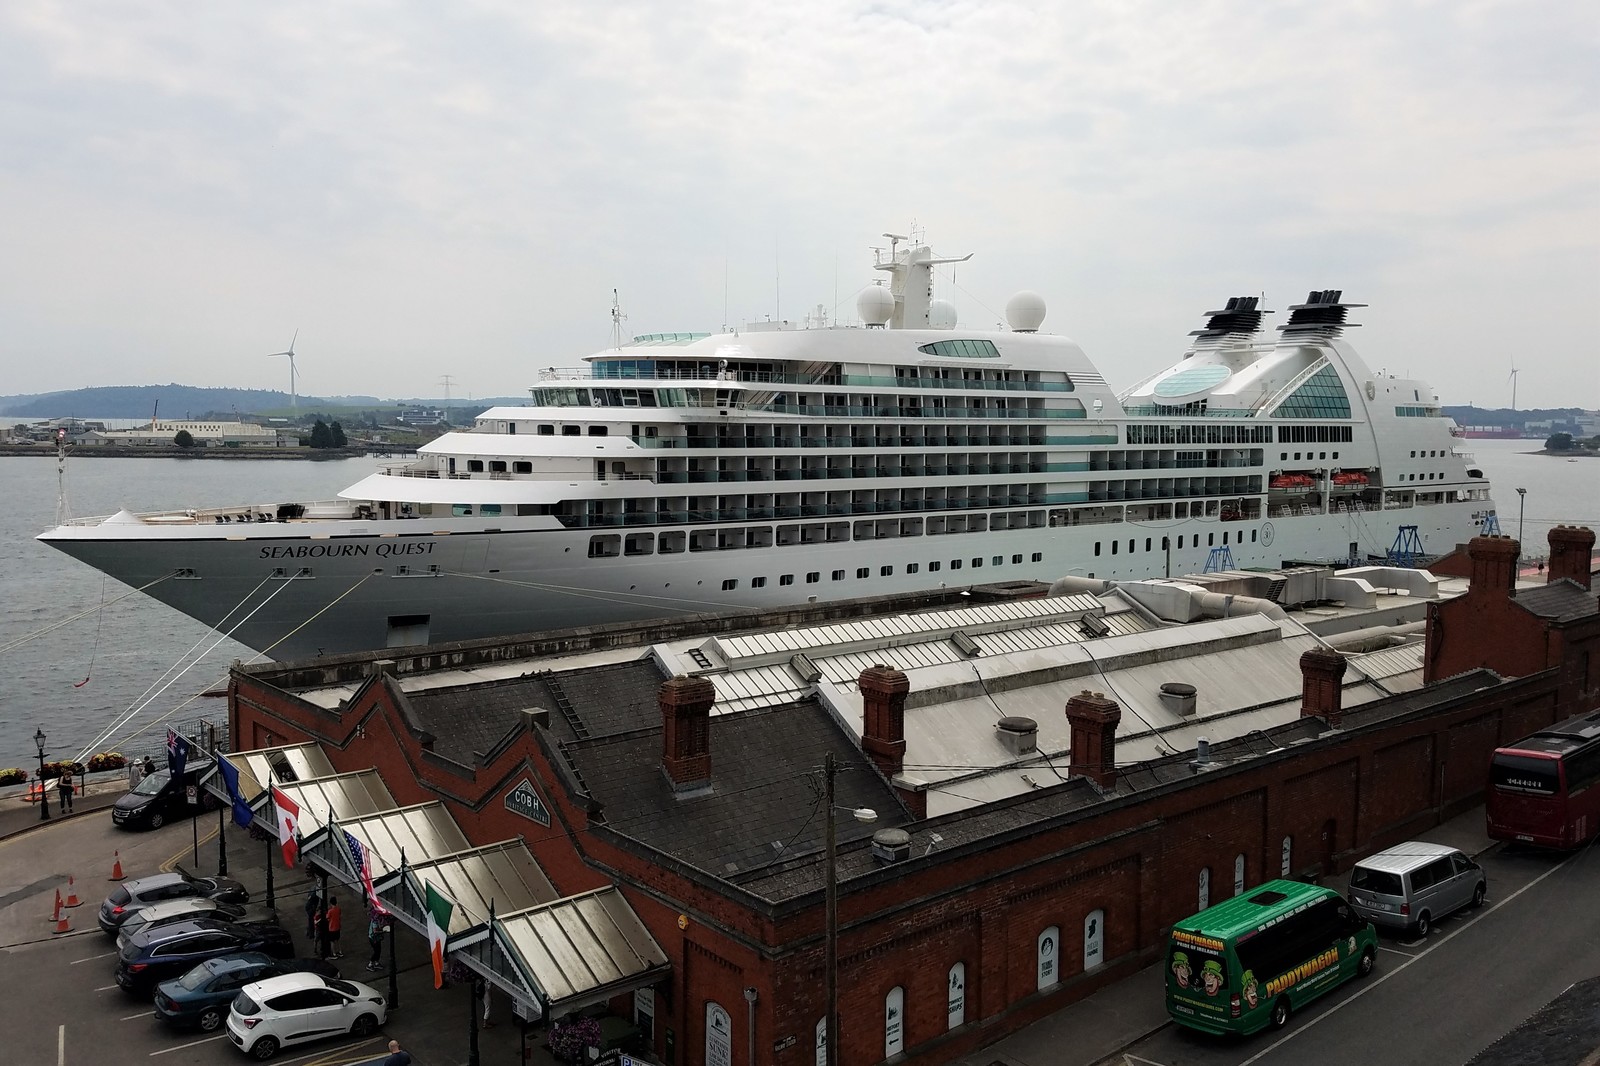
(1412, 885)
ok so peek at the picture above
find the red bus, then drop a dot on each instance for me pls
(1545, 788)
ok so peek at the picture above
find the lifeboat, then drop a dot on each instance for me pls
(1350, 477)
(1293, 483)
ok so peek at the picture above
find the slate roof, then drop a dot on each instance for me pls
(602, 701)
(475, 718)
(1564, 1032)
(764, 805)
(1560, 601)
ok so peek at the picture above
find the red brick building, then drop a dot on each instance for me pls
(953, 930)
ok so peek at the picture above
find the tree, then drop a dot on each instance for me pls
(183, 439)
(321, 436)
(339, 439)
(1558, 442)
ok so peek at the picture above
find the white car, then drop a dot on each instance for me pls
(299, 1007)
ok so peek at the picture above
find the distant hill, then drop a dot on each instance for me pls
(189, 401)
(1506, 416)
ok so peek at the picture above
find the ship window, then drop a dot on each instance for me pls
(546, 429)
(786, 579)
(933, 567)
(961, 349)
(955, 564)
(885, 571)
(729, 584)
(1016, 559)
(598, 431)
(490, 510)
(1147, 544)
(1321, 395)
(475, 466)
(912, 568)
(978, 561)
(670, 541)
(758, 582)
(813, 577)
(571, 431)
(461, 510)
(1211, 540)
(605, 546)
(639, 544)
(522, 467)
(838, 575)
(1252, 536)
(1113, 547)
(863, 571)
(1180, 542)
(497, 466)
(1097, 547)
(1336, 455)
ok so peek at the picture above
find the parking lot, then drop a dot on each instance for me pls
(65, 1008)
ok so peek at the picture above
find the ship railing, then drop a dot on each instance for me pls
(710, 373)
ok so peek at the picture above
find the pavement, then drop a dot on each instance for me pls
(432, 1024)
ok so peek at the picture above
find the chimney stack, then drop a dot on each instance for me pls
(1094, 737)
(1570, 551)
(1494, 565)
(883, 718)
(686, 731)
(1321, 673)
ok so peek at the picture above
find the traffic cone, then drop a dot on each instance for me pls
(55, 915)
(116, 866)
(63, 925)
(72, 894)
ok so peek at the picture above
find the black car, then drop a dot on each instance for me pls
(200, 997)
(169, 951)
(159, 798)
(131, 896)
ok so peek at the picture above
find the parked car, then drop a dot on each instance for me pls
(299, 1008)
(176, 910)
(200, 997)
(1412, 885)
(159, 798)
(168, 951)
(141, 892)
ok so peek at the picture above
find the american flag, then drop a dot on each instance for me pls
(361, 858)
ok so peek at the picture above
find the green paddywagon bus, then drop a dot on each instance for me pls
(1248, 962)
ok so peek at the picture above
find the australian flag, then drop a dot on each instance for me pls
(242, 815)
(361, 859)
(177, 754)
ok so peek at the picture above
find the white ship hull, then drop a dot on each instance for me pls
(512, 581)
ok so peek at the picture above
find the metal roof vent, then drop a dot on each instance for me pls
(965, 645)
(1093, 625)
(809, 671)
(1202, 755)
(891, 846)
(1019, 735)
(1179, 698)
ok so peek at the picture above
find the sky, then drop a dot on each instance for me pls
(421, 190)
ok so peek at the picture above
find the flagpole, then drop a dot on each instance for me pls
(222, 821)
(394, 965)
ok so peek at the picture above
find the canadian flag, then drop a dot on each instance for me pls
(288, 825)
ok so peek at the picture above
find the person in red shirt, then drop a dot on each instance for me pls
(335, 919)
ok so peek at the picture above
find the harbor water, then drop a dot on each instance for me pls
(145, 666)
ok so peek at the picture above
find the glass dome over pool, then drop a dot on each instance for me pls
(1194, 379)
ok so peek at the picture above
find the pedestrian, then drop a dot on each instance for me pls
(397, 1057)
(313, 908)
(375, 928)
(64, 791)
(335, 917)
(147, 767)
(483, 993)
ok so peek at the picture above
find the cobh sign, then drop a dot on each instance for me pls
(525, 801)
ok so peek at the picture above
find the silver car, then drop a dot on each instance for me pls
(1412, 885)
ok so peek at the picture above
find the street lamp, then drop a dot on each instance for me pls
(831, 905)
(1522, 499)
(44, 797)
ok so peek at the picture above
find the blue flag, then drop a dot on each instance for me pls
(177, 755)
(242, 814)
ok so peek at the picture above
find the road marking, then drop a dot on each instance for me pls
(1398, 951)
(192, 1043)
(105, 988)
(61, 1046)
(131, 1017)
(1129, 1060)
(333, 1058)
(91, 958)
(1437, 943)
(172, 862)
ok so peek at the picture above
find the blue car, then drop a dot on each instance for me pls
(169, 951)
(200, 997)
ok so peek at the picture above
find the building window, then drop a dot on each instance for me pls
(786, 579)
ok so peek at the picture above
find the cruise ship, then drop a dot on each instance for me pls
(768, 466)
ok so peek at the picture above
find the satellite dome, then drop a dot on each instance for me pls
(875, 305)
(1025, 311)
(942, 315)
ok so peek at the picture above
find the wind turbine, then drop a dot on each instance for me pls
(294, 401)
(1513, 380)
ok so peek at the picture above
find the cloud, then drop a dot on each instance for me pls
(458, 190)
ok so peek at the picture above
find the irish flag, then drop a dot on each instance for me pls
(288, 824)
(439, 910)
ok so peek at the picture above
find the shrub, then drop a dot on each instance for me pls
(13, 775)
(106, 760)
(569, 1040)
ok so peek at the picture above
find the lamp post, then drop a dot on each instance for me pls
(1522, 500)
(830, 769)
(44, 797)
